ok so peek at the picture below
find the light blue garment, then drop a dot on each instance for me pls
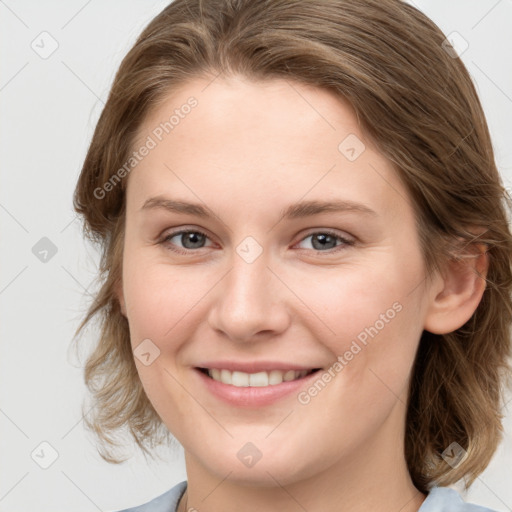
(439, 499)
(166, 502)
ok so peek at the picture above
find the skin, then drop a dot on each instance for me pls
(245, 152)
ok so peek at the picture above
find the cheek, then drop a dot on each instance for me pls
(370, 320)
(144, 304)
(157, 295)
(348, 300)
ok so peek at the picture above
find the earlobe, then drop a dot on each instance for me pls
(464, 283)
(120, 297)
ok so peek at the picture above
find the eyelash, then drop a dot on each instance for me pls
(345, 242)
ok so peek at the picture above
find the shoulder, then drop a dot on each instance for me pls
(439, 499)
(445, 499)
(166, 502)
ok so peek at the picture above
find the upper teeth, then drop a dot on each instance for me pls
(242, 379)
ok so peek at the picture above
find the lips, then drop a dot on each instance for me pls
(263, 378)
(256, 383)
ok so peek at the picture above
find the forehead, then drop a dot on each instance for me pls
(252, 139)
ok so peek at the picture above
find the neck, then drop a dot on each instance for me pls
(337, 489)
(325, 496)
(375, 478)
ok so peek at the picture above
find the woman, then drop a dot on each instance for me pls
(306, 258)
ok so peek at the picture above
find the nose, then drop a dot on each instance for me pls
(250, 302)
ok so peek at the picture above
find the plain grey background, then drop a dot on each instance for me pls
(58, 62)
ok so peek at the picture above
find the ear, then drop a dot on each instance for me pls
(118, 290)
(459, 291)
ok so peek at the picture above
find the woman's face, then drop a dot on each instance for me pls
(271, 280)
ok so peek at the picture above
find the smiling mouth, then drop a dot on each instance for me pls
(259, 379)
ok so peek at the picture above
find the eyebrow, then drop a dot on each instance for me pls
(293, 211)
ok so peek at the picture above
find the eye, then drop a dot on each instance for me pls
(191, 239)
(321, 241)
(325, 241)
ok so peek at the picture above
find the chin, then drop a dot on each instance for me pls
(269, 471)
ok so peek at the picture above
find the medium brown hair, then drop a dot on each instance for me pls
(416, 102)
